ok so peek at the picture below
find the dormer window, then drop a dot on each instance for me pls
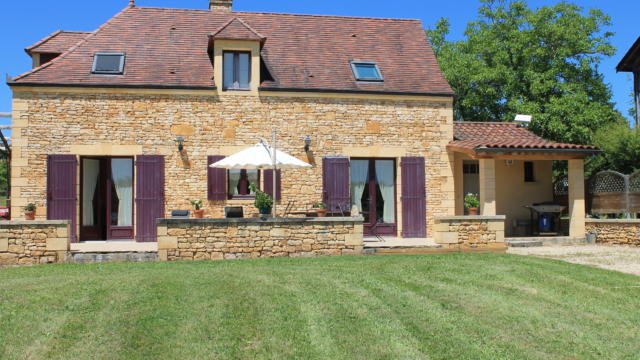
(366, 71)
(108, 63)
(236, 69)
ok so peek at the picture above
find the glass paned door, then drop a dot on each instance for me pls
(92, 205)
(106, 198)
(120, 189)
(373, 191)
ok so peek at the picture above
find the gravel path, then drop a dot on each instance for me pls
(619, 258)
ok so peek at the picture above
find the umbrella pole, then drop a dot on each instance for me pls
(273, 157)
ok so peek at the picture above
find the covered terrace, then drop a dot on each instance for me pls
(511, 171)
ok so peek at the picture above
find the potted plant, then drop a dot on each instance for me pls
(321, 209)
(471, 203)
(197, 205)
(263, 201)
(30, 211)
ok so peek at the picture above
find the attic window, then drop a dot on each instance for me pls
(108, 63)
(366, 71)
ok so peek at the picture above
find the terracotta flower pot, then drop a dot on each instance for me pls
(29, 215)
(473, 211)
(321, 212)
(199, 214)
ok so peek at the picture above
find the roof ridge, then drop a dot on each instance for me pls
(291, 14)
(72, 49)
(51, 36)
(43, 40)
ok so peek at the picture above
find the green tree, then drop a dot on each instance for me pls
(621, 146)
(543, 62)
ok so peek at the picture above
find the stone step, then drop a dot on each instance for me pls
(545, 241)
(76, 257)
(525, 243)
(432, 250)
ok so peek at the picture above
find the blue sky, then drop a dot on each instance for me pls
(25, 22)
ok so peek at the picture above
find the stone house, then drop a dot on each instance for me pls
(115, 128)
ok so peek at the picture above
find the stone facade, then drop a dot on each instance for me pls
(33, 242)
(615, 231)
(121, 122)
(217, 239)
(470, 231)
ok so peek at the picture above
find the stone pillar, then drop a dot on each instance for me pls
(488, 187)
(576, 199)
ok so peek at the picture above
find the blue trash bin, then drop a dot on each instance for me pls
(546, 223)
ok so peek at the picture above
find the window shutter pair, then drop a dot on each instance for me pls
(217, 181)
(336, 191)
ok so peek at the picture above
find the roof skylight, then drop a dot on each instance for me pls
(366, 71)
(108, 63)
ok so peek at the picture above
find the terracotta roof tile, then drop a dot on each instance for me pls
(168, 47)
(236, 29)
(503, 135)
(57, 43)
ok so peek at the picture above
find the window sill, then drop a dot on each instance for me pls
(240, 90)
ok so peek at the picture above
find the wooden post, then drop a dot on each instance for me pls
(275, 171)
(636, 91)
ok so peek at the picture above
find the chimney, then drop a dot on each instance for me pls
(220, 5)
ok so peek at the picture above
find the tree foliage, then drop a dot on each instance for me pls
(621, 146)
(542, 62)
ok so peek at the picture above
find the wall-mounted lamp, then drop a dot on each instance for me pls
(307, 144)
(180, 141)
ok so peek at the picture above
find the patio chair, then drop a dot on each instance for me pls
(287, 210)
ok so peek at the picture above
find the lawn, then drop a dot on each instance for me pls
(470, 306)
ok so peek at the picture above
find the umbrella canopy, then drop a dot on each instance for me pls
(259, 157)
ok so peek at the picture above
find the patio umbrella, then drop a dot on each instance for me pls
(261, 156)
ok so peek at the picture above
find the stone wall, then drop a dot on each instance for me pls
(470, 231)
(217, 239)
(123, 122)
(33, 242)
(615, 231)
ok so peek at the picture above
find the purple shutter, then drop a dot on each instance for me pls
(414, 214)
(149, 196)
(216, 180)
(335, 182)
(62, 171)
(268, 183)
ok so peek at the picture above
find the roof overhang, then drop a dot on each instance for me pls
(524, 153)
(631, 60)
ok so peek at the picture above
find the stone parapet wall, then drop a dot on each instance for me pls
(615, 231)
(470, 231)
(33, 242)
(217, 239)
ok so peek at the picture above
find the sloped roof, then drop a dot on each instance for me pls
(478, 136)
(236, 29)
(168, 48)
(58, 42)
(631, 60)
